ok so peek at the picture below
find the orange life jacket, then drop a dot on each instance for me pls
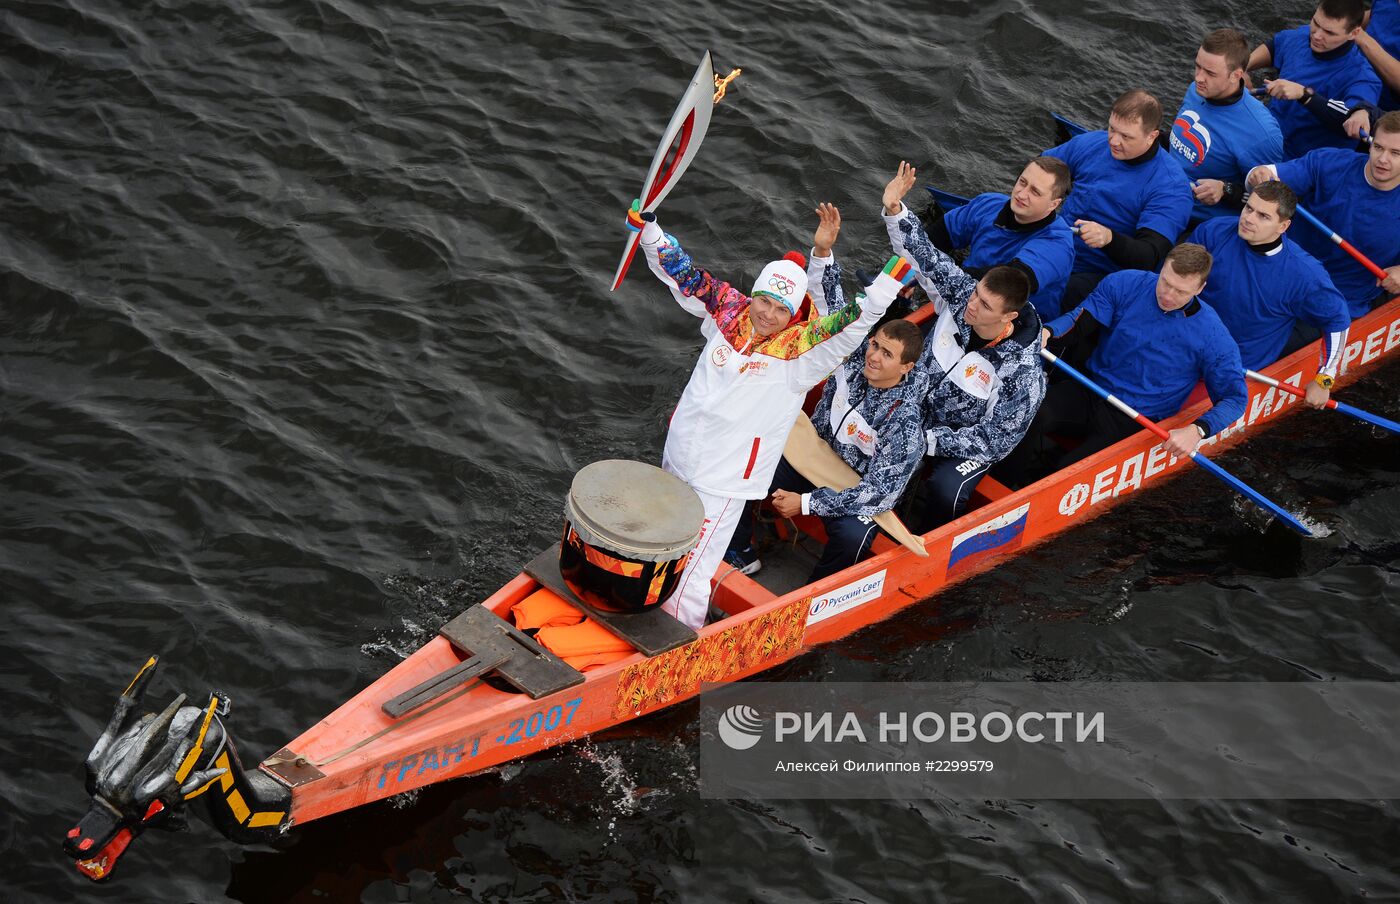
(565, 632)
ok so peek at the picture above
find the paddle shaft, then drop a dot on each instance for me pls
(1107, 396)
(1346, 246)
(1333, 404)
(1210, 466)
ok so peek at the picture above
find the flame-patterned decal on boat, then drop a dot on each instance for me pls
(659, 680)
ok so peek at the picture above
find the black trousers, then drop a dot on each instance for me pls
(947, 487)
(1071, 411)
(848, 537)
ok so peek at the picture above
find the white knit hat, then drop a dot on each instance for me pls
(784, 280)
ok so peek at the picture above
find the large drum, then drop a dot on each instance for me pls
(628, 531)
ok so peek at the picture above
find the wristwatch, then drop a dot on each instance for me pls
(1200, 429)
(1324, 381)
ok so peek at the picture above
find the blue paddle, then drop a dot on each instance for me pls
(1210, 466)
(1343, 407)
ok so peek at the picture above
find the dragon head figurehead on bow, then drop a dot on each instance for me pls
(144, 769)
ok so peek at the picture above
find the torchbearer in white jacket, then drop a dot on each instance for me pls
(727, 434)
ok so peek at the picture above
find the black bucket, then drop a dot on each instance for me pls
(628, 532)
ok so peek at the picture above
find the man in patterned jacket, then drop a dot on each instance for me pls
(981, 360)
(870, 413)
(727, 434)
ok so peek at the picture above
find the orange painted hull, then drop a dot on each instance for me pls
(366, 756)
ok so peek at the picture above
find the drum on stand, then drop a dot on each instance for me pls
(629, 528)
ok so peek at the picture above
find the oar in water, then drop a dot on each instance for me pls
(1346, 246)
(1343, 407)
(1210, 466)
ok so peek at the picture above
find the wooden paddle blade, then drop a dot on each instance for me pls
(809, 454)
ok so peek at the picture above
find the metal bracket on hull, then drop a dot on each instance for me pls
(521, 661)
(652, 632)
(440, 684)
(291, 768)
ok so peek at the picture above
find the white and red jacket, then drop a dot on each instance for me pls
(733, 419)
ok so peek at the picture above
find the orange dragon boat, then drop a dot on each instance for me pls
(483, 693)
(486, 691)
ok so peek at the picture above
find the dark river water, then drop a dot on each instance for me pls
(304, 328)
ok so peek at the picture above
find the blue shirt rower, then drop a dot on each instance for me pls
(1130, 199)
(1355, 195)
(1159, 341)
(1222, 131)
(1023, 230)
(1325, 84)
(1262, 282)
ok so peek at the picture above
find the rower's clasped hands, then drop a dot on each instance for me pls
(1283, 89)
(1182, 441)
(898, 187)
(1391, 283)
(787, 503)
(828, 228)
(1208, 191)
(1095, 235)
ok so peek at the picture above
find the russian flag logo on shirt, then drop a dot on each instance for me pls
(1193, 134)
(1001, 534)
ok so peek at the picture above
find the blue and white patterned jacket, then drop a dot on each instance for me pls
(980, 403)
(878, 432)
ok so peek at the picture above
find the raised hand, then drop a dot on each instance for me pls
(634, 216)
(898, 187)
(828, 227)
